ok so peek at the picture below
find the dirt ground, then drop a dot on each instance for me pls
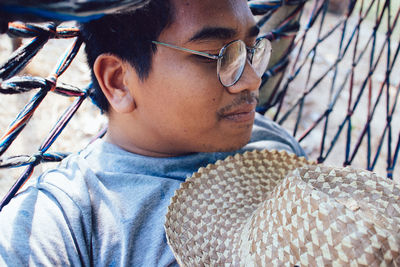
(88, 120)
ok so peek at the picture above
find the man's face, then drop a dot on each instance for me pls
(182, 107)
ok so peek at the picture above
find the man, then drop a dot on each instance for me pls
(173, 105)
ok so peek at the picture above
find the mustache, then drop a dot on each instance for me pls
(245, 97)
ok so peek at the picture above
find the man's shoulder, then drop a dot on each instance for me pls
(71, 181)
(53, 208)
(103, 169)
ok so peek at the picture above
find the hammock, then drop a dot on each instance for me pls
(338, 99)
(333, 81)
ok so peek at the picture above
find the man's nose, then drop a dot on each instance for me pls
(248, 81)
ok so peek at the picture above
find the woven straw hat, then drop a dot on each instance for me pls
(269, 208)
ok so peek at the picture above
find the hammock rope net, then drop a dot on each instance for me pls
(365, 53)
(360, 75)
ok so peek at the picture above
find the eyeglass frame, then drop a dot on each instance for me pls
(250, 51)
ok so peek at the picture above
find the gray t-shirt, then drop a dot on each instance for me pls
(105, 206)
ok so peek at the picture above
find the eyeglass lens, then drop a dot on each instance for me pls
(233, 60)
(261, 56)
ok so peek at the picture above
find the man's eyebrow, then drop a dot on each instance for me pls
(213, 33)
(221, 33)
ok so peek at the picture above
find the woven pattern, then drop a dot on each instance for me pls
(321, 216)
(257, 209)
(235, 186)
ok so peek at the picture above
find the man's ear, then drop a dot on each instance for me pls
(110, 72)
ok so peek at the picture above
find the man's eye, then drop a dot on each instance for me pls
(204, 59)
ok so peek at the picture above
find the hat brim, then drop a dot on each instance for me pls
(268, 208)
(208, 211)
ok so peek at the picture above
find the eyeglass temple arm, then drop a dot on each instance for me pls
(187, 50)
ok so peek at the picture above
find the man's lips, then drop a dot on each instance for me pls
(241, 114)
(242, 108)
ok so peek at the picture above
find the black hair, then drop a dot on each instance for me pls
(128, 36)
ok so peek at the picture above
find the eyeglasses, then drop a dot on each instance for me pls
(232, 57)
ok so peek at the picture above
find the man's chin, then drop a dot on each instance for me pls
(233, 146)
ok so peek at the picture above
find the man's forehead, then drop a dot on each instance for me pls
(193, 17)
